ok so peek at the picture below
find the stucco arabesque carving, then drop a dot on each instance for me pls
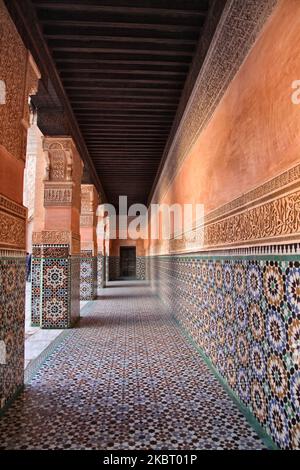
(63, 171)
(12, 224)
(20, 75)
(268, 214)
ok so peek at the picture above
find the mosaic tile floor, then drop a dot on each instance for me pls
(126, 378)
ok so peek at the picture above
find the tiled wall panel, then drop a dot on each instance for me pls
(88, 276)
(141, 268)
(244, 313)
(12, 320)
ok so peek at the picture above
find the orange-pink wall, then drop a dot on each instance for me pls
(254, 134)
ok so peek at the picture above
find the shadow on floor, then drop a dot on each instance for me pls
(123, 283)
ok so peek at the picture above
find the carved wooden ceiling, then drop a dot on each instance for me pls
(117, 75)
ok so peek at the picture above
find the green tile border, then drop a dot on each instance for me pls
(261, 432)
(213, 257)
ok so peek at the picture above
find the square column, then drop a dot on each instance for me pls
(88, 242)
(101, 252)
(56, 248)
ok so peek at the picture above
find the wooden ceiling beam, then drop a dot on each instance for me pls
(61, 35)
(83, 22)
(101, 46)
(124, 10)
(124, 126)
(124, 17)
(130, 61)
(81, 76)
(124, 74)
(109, 52)
(136, 114)
(122, 130)
(193, 5)
(89, 65)
(106, 30)
(134, 104)
(124, 91)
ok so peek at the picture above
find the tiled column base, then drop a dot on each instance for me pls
(100, 271)
(55, 286)
(12, 317)
(243, 312)
(88, 276)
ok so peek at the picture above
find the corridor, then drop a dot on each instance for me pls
(126, 377)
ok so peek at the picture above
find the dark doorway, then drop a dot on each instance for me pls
(128, 261)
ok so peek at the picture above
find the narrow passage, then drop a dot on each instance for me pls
(125, 378)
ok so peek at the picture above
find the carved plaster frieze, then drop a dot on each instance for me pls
(275, 220)
(89, 199)
(51, 237)
(12, 224)
(269, 214)
(20, 75)
(86, 220)
(58, 195)
(13, 207)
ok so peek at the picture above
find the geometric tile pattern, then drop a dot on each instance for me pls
(35, 287)
(126, 378)
(74, 310)
(55, 289)
(88, 276)
(141, 268)
(12, 320)
(100, 270)
(244, 313)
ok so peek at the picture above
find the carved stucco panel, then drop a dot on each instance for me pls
(20, 75)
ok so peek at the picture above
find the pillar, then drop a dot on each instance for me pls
(19, 79)
(101, 252)
(33, 193)
(56, 247)
(88, 234)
